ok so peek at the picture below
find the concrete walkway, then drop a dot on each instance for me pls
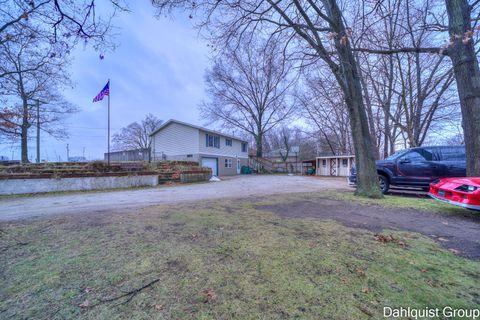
(232, 187)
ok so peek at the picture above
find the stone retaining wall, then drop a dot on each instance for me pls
(23, 186)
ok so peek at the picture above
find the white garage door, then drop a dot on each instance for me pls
(210, 163)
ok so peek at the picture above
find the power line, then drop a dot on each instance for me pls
(92, 128)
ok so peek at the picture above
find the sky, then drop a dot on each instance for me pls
(157, 68)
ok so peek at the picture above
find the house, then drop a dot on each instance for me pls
(177, 140)
(334, 165)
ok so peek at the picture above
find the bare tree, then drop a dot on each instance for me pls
(136, 135)
(326, 111)
(296, 136)
(284, 151)
(462, 29)
(419, 84)
(34, 73)
(60, 21)
(316, 30)
(250, 89)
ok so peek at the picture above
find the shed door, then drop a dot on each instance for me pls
(210, 163)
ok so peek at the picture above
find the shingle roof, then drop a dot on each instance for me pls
(196, 127)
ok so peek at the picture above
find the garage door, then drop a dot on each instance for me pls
(210, 163)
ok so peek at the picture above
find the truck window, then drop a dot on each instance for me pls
(453, 153)
(415, 156)
(428, 154)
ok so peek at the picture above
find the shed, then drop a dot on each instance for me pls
(334, 165)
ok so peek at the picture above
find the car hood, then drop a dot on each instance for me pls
(455, 182)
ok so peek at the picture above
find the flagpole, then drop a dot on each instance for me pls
(108, 154)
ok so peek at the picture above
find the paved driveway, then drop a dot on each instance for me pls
(234, 187)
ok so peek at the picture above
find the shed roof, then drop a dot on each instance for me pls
(339, 157)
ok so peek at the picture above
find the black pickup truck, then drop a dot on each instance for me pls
(417, 167)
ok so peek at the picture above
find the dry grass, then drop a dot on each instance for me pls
(220, 260)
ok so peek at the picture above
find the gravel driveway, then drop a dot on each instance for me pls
(232, 187)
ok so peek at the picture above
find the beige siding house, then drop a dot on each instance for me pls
(176, 140)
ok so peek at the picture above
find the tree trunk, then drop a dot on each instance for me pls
(367, 180)
(259, 144)
(467, 75)
(386, 135)
(24, 132)
(368, 105)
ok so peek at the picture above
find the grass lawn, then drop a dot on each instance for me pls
(421, 202)
(221, 260)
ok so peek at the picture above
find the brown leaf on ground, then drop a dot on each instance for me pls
(360, 271)
(344, 279)
(387, 238)
(210, 295)
(158, 306)
(384, 238)
(366, 290)
(84, 304)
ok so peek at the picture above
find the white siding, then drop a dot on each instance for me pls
(176, 139)
(233, 151)
(334, 166)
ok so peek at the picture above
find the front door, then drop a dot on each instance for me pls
(238, 166)
(333, 167)
(211, 163)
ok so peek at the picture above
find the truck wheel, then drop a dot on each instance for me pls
(384, 185)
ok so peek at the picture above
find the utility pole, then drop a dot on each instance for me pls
(38, 131)
(68, 153)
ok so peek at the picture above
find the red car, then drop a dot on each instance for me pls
(463, 192)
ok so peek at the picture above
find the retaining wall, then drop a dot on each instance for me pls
(22, 186)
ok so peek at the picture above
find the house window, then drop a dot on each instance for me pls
(212, 141)
(345, 162)
(228, 163)
(189, 155)
(244, 147)
(228, 142)
(324, 162)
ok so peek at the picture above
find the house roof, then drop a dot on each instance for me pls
(196, 127)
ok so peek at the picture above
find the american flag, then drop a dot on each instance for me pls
(105, 92)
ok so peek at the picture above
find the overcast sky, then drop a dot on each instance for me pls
(158, 68)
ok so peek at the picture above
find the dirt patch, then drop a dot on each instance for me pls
(460, 234)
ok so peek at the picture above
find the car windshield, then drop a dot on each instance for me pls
(396, 155)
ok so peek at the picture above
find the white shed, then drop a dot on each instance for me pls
(334, 165)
